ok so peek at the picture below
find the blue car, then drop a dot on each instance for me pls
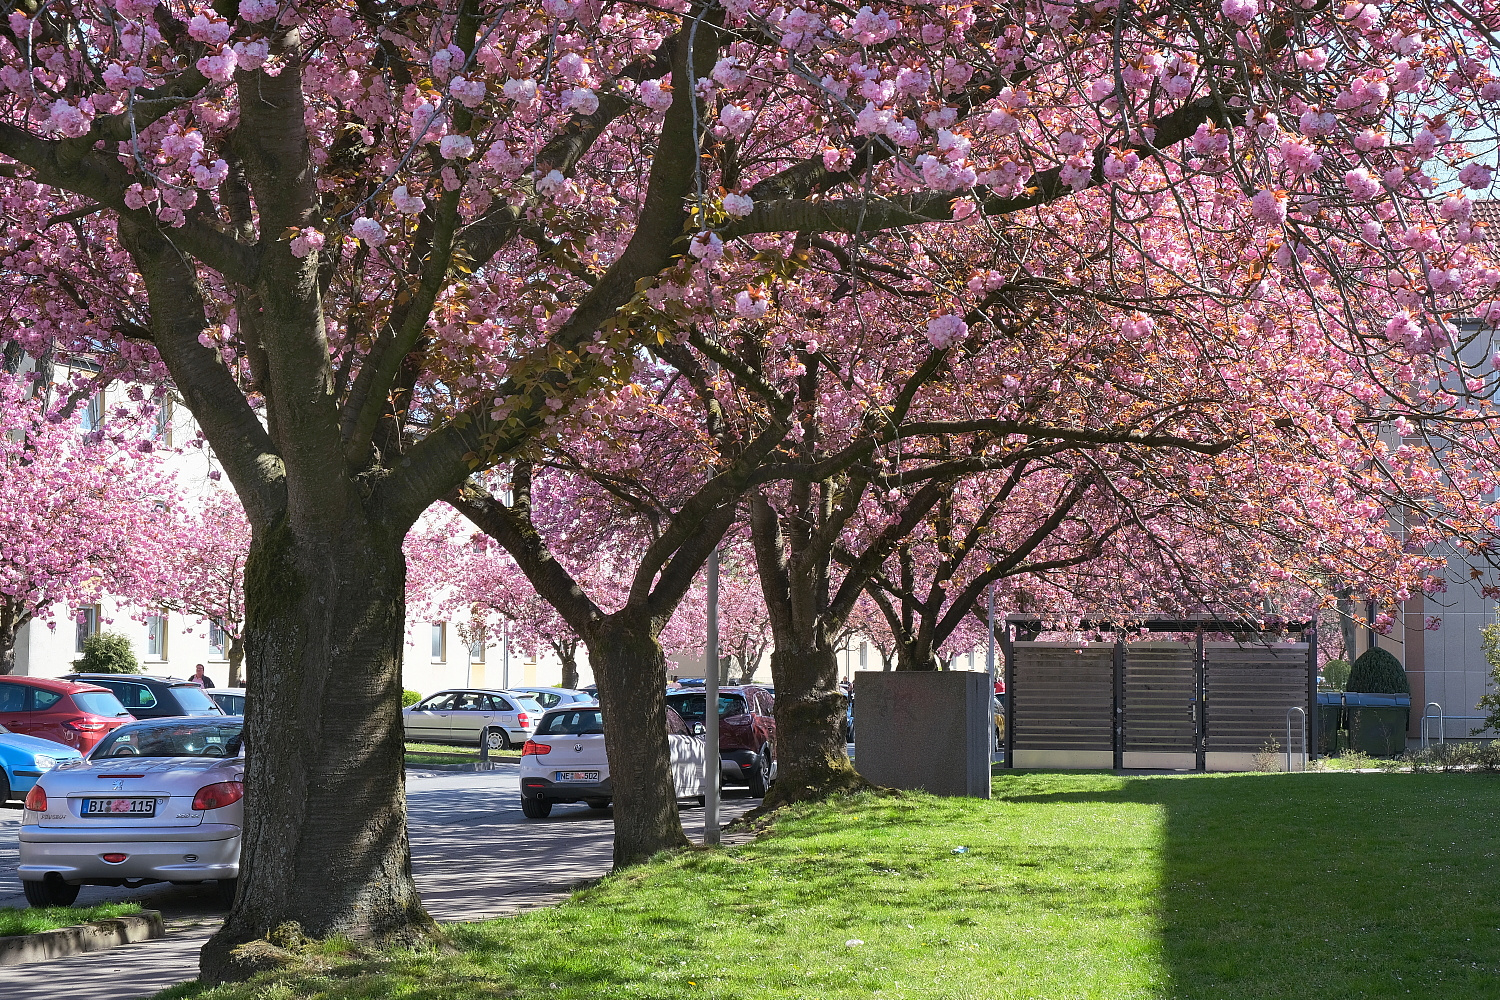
(23, 759)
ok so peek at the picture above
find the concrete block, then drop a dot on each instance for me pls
(97, 936)
(924, 730)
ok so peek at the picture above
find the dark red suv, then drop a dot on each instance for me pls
(75, 715)
(747, 731)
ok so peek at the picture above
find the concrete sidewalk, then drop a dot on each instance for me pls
(474, 856)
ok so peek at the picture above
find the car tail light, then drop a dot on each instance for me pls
(219, 794)
(86, 725)
(114, 859)
(533, 747)
(521, 718)
(36, 799)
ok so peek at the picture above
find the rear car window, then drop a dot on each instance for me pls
(530, 704)
(690, 706)
(192, 699)
(99, 703)
(172, 739)
(232, 704)
(131, 695)
(45, 699)
(573, 722)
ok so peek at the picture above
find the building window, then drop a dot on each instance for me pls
(476, 648)
(439, 642)
(164, 423)
(216, 638)
(93, 414)
(88, 624)
(156, 637)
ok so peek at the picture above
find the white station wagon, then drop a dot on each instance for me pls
(501, 719)
(158, 800)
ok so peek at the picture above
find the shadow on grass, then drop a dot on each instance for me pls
(1323, 885)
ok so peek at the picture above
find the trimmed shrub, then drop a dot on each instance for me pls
(1335, 675)
(107, 653)
(409, 697)
(1377, 671)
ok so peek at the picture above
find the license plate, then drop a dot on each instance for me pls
(119, 807)
(577, 775)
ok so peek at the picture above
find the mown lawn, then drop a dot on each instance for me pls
(429, 754)
(1235, 887)
(14, 920)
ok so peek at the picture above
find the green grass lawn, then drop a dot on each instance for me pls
(428, 754)
(27, 921)
(1234, 887)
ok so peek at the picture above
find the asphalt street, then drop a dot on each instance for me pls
(473, 854)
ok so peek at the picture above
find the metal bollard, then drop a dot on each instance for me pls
(1301, 712)
(484, 751)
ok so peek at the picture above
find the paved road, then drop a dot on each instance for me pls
(473, 855)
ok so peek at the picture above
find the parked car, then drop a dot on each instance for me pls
(550, 697)
(24, 759)
(231, 701)
(501, 718)
(747, 732)
(156, 801)
(148, 697)
(564, 761)
(73, 714)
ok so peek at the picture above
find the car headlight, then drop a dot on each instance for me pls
(45, 763)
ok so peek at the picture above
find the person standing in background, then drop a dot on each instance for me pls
(200, 678)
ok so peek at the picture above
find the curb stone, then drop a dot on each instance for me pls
(100, 935)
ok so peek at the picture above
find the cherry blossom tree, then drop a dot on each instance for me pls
(202, 572)
(81, 514)
(380, 247)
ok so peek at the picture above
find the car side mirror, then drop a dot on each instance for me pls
(699, 729)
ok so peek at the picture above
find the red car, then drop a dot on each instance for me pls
(747, 731)
(75, 715)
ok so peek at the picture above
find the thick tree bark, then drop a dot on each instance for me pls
(12, 620)
(630, 669)
(812, 760)
(324, 632)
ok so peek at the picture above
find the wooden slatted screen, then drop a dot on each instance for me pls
(1159, 686)
(1250, 689)
(1064, 696)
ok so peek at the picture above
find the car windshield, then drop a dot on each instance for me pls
(574, 722)
(194, 701)
(99, 703)
(690, 706)
(173, 738)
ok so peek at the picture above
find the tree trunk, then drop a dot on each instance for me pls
(12, 620)
(325, 842)
(916, 655)
(630, 669)
(569, 669)
(812, 760)
(236, 659)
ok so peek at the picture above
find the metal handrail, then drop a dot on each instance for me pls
(1442, 729)
(1302, 712)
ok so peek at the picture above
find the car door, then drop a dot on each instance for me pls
(686, 757)
(472, 711)
(15, 712)
(765, 710)
(428, 719)
(45, 722)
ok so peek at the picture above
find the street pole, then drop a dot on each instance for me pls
(505, 656)
(989, 666)
(711, 763)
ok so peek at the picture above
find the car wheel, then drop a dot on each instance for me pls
(225, 889)
(535, 808)
(4, 788)
(761, 776)
(597, 803)
(50, 892)
(496, 739)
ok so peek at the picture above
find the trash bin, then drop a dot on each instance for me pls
(1330, 721)
(1377, 722)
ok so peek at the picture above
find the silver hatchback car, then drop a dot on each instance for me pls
(502, 719)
